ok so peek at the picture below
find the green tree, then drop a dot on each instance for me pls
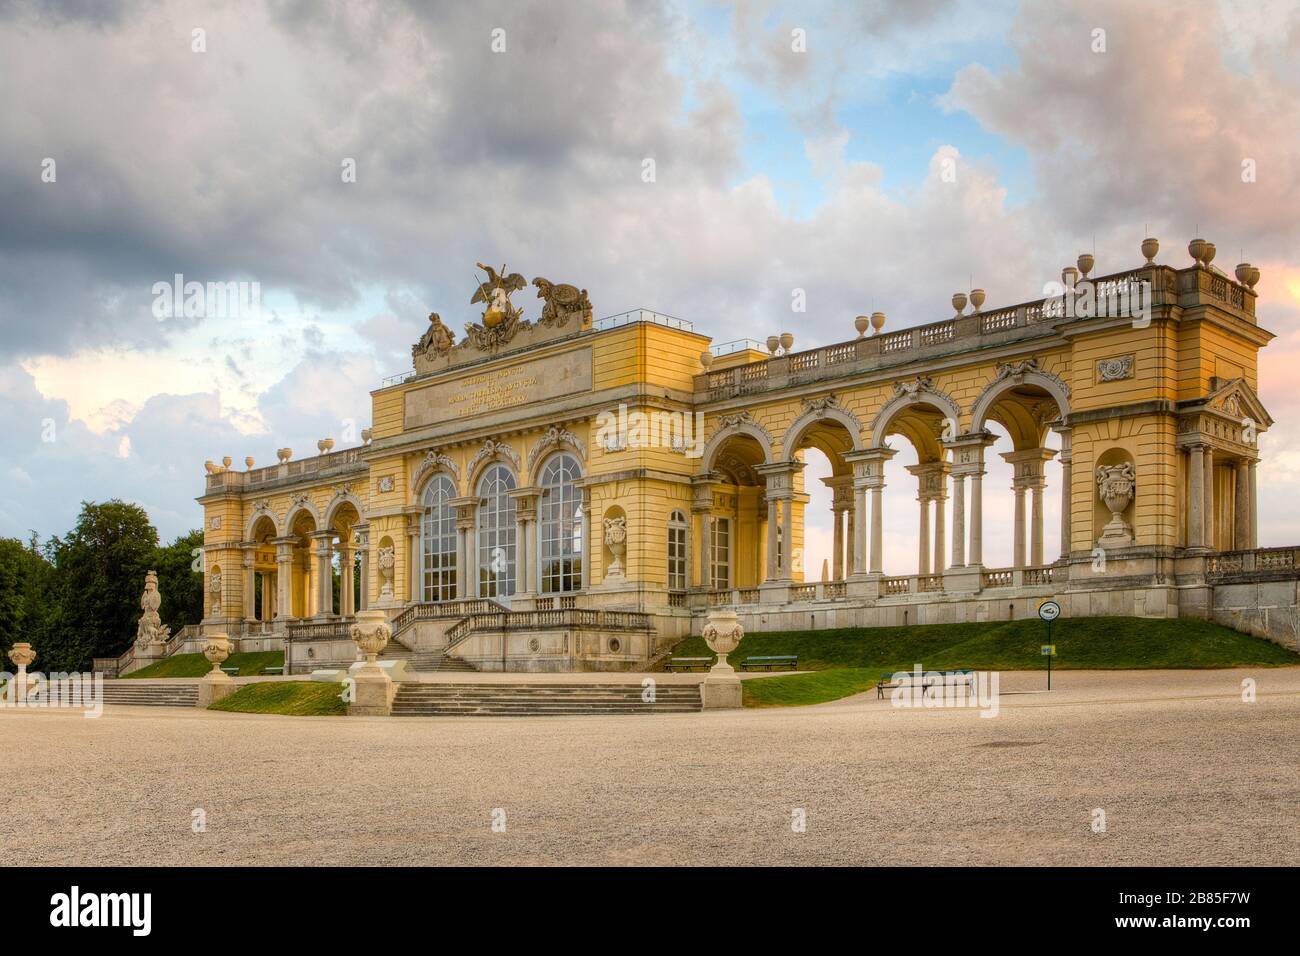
(99, 573)
(25, 577)
(180, 580)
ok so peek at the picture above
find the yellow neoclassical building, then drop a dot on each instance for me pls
(562, 493)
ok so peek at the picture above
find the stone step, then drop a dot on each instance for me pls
(141, 694)
(540, 700)
(429, 662)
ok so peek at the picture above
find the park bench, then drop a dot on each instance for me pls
(770, 661)
(686, 663)
(232, 671)
(274, 669)
(928, 679)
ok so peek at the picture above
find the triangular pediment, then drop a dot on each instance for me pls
(1234, 398)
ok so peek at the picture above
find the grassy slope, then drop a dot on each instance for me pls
(196, 665)
(861, 655)
(295, 698)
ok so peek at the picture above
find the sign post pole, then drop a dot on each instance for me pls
(1048, 612)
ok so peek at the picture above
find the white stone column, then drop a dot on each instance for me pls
(837, 544)
(1254, 509)
(787, 545)
(521, 553)
(1036, 523)
(363, 596)
(977, 519)
(250, 585)
(939, 531)
(588, 533)
(1196, 497)
(347, 584)
(923, 537)
(855, 555)
(959, 520)
(284, 578)
(324, 574)
(1067, 478)
(1211, 526)
(877, 527)
(1241, 506)
(772, 536)
(1019, 525)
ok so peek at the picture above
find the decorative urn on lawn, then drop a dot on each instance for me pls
(721, 688)
(216, 683)
(373, 689)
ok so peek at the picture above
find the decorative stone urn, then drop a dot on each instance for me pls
(371, 634)
(1115, 486)
(616, 541)
(722, 632)
(976, 300)
(862, 323)
(877, 321)
(1085, 263)
(23, 657)
(1149, 249)
(386, 559)
(216, 683)
(374, 690)
(959, 302)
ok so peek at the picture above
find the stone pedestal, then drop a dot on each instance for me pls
(216, 684)
(721, 689)
(22, 656)
(373, 689)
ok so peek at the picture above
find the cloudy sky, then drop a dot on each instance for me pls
(140, 140)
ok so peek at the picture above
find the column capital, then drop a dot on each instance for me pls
(930, 480)
(869, 465)
(1028, 465)
(968, 451)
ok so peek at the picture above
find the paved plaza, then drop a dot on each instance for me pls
(1184, 770)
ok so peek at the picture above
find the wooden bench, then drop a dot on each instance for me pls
(770, 661)
(232, 671)
(686, 663)
(279, 669)
(928, 679)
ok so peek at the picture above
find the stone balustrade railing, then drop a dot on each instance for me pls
(442, 610)
(303, 468)
(1186, 287)
(539, 620)
(1258, 562)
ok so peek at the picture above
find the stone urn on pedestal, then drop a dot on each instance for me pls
(722, 632)
(374, 689)
(616, 541)
(216, 683)
(1115, 484)
(22, 656)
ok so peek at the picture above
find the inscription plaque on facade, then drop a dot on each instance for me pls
(521, 384)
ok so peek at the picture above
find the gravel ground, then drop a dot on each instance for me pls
(1185, 772)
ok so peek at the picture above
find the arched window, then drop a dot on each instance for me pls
(496, 533)
(677, 538)
(438, 541)
(560, 526)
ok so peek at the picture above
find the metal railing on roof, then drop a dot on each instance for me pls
(642, 315)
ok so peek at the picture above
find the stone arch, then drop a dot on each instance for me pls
(261, 511)
(301, 504)
(733, 426)
(821, 410)
(433, 463)
(1015, 375)
(337, 503)
(910, 394)
(492, 452)
(555, 440)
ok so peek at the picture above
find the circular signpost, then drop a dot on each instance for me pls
(1049, 611)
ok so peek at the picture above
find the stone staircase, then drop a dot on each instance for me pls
(428, 662)
(540, 700)
(144, 693)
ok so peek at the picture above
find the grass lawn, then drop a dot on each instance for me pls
(196, 665)
(858, 656)
(294, 698)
